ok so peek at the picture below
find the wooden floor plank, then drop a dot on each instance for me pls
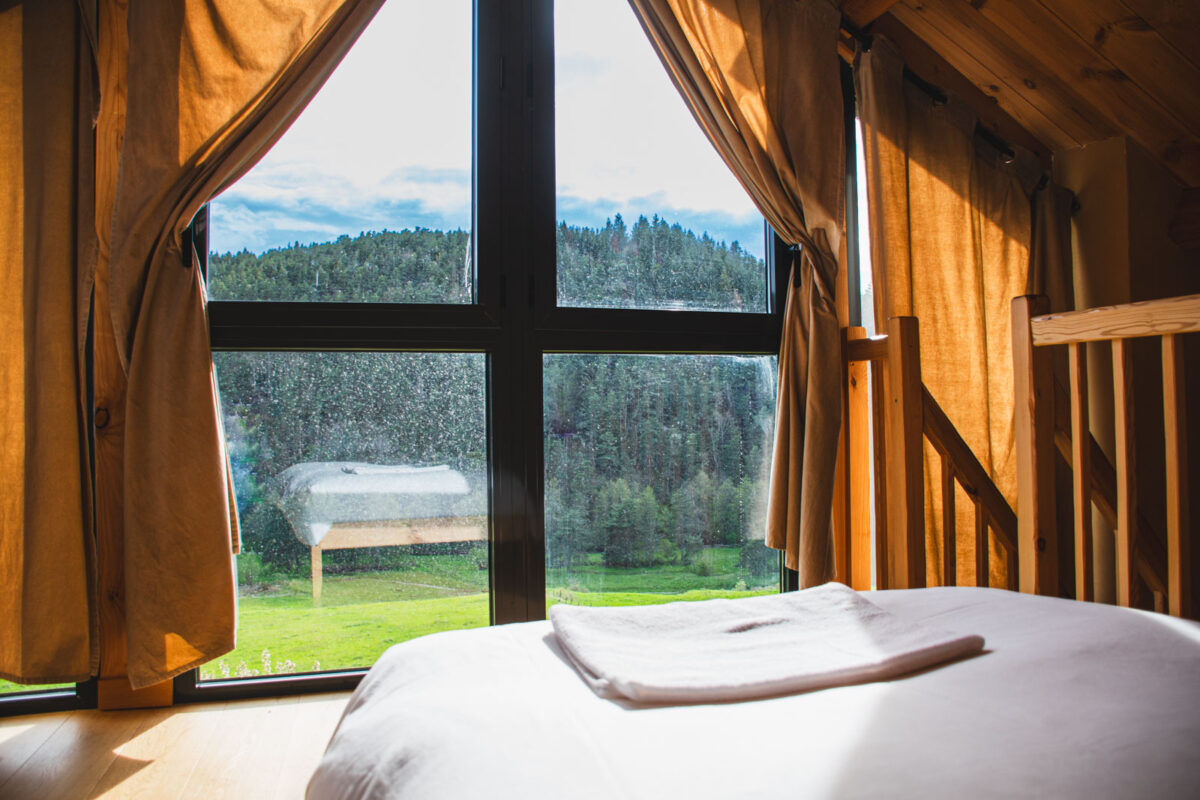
(256, 748)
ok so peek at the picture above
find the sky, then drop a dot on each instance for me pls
(356, 159)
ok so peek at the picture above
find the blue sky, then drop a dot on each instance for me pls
(356, 159)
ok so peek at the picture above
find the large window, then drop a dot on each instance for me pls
(493, 329)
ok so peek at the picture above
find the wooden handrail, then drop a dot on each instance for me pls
(974, 478)
(1146, 318)
(904, 413)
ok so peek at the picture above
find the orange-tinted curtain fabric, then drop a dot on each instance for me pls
(47, 99)
(950, 229)
(209, 86)
(761, 77)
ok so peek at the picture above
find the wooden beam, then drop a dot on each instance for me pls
(858, 447)
(949, 523)
(905, 456)
(1044, 101)
(1179, 555)
(865, 349)
(1081, 475)
(880, 380)
(1033, 385)
(1185, 226)
(862, 13)
(1130, 320)
(982, 550)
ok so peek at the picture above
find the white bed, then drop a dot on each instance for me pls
(1067, 700)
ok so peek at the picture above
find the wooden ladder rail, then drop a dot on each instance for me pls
(890, 423)
(1033, 332)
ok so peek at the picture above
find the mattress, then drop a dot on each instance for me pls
(1067, 700)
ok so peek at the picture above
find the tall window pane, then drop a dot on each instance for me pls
(362, 490)
(368, 196)
(656, 473)
(648, 214)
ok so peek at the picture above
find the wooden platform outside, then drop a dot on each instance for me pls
(251, 748)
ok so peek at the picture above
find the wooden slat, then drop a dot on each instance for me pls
(1138, 51)
(1126, 469)
(971, 42)
(1125, 106)
(981, 544)
(864, 349)
(1033, 385)
(879, 383)
(970, 473)
(1177, 21)
(1130, 320)
(949, 524)
(1081, 476)
(1179, 557)
(862, 13)
(946, 44)
(858, 415)
(1151, 556)
(906, 492)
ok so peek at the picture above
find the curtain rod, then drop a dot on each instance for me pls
(935, 93)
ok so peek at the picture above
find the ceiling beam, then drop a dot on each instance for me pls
(862, 13)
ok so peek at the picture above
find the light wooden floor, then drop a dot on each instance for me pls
(246, 749)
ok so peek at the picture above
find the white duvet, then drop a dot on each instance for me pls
(1070, 700)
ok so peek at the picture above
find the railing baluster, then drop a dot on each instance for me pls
(1179, 590)
(1081, 463)
(1126, 469)
(981, 544)
(949, 524)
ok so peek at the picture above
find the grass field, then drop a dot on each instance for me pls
(282, 630)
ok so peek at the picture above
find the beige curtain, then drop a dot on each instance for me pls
(762, 79)
(47, 619)
(210, 85)
(950, 244)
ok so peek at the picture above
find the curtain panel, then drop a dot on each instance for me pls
(210, 85)
(761, 78)
(47, 101)
(951, 237)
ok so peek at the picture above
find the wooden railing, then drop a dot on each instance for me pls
(892, 419)
(1093, 479)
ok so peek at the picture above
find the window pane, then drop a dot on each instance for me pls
(10, 688)
(649, 216)
(367, 197)
(378, 460)
(656, 473)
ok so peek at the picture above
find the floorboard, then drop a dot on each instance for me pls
(254, 748)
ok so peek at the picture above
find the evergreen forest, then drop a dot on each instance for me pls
(650, 460)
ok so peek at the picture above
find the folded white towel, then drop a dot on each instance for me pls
(721, 650)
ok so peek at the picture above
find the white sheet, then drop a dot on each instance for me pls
(1072, 700)
(722, 650)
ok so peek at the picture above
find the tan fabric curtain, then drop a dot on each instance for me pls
(950, 244)
(47, 622)
(761, 78)
(210, 85)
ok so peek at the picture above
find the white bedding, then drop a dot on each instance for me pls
(1069, 700)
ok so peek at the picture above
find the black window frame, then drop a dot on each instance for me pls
(514, 321)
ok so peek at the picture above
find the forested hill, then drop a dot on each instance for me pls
(651, 262)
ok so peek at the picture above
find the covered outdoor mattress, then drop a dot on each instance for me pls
(1067, 700)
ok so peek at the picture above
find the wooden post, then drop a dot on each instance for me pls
(982, 576)
(1122, 354)
(879, 383)
(315, 555)
(858, 451)
(1081, 463)
(1179, 589)
(1033, 385)
(906, 484)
